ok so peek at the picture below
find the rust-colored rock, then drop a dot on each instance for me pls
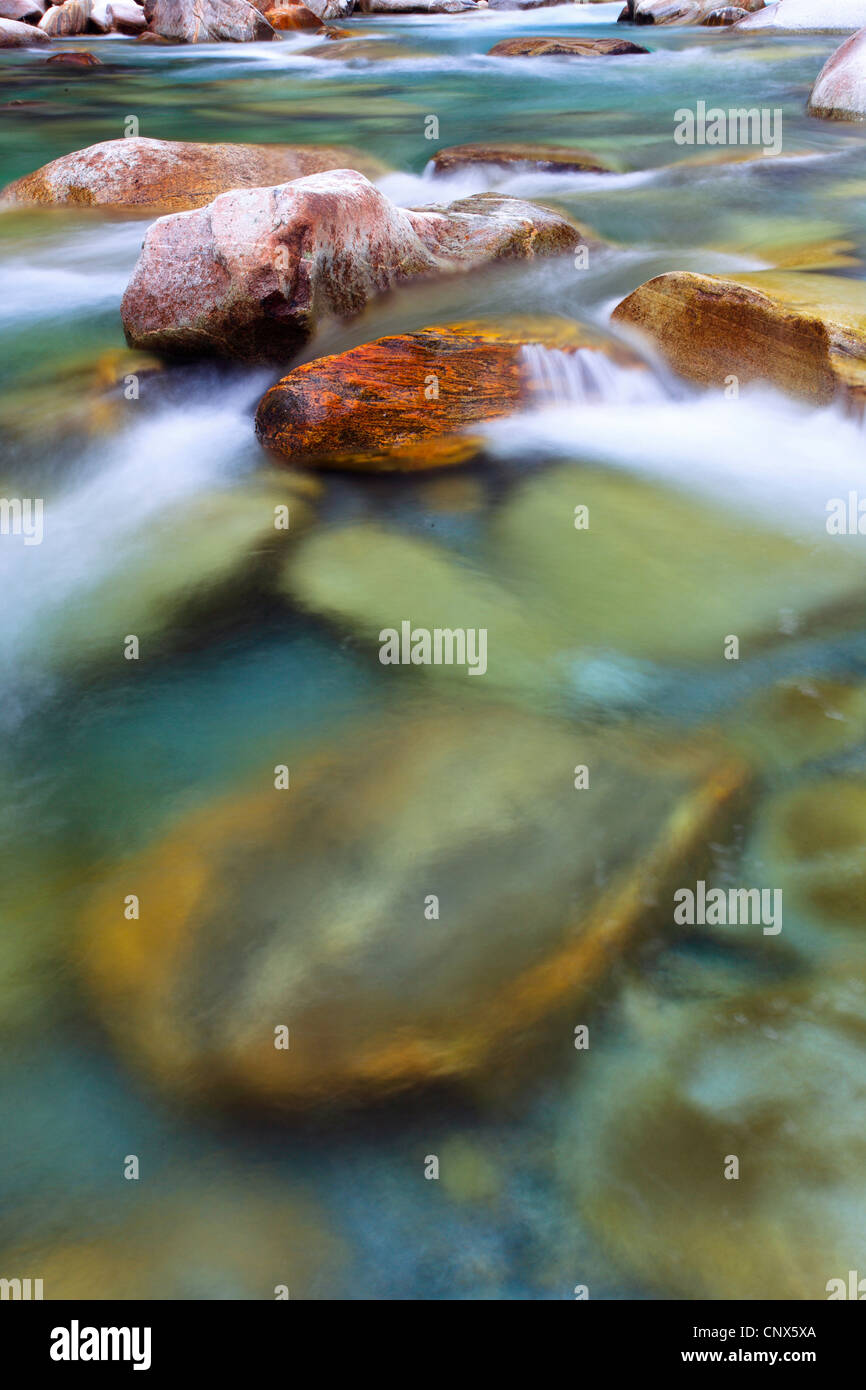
(409, 402)
(172, 175)
(290, 17)
(804, 334)
(551, 46)
(75, 59)
(250, 275)
(548, 159)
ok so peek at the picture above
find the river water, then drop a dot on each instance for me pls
(101, 757)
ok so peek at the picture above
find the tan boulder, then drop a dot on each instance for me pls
(65, 21)
(804, 334)
(551, 46)
(207, 21)
(171, 175)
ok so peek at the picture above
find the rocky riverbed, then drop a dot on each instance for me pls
(433, 667)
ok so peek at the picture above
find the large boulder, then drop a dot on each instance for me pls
(171, 175)
(310, 910)
(374, 408)
(13, 34)
(415, 6)
(552, 46)
(249, 275)
(547, 159)
(839, 92)
(327, 10)
(24, 11)
(804, 334)
(66, 21)
(292, 17)
(207, 21)
(125, 17)
(809, 16)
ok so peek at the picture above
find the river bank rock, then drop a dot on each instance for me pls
(547, 159)
(326, 10)
(804, 334)
(839, 93)
(207, 21)
(227, 1237)
(727, 14)
(408, 402)
(551, 46)
(305, 909)
(24, 11)
(250, 275)
(65, 21)
(126, 17)
(16, 35)
(774, 1078)
(807, 16)
(170, 175)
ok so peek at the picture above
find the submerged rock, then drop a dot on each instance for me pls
(310, 909)
(211, 1240)
(804, 334)
(548, 159)
(571, 614)
(811, 841)
(798, 721)
(812, 16)
(774, 1079)
(550, 46)
(207, 21)
(16, 35)
(408, 402)
(839, 93)
(172, 175)
(250, 275)
(74, 59)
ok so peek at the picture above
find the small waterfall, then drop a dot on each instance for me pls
(589, 377)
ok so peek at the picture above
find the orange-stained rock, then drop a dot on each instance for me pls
(304, 909)
(250, 275)
(804, 334)
(293, 17)
(551, 46)
(543, 158)
(408, 402)
(172, 175)
(75, 59)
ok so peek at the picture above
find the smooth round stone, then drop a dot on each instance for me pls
(776, 1079)
(310, 908)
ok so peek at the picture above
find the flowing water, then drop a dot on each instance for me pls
(153, 527)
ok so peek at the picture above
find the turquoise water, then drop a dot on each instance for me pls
(102, 759)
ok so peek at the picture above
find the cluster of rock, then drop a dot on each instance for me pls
(27, 22)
